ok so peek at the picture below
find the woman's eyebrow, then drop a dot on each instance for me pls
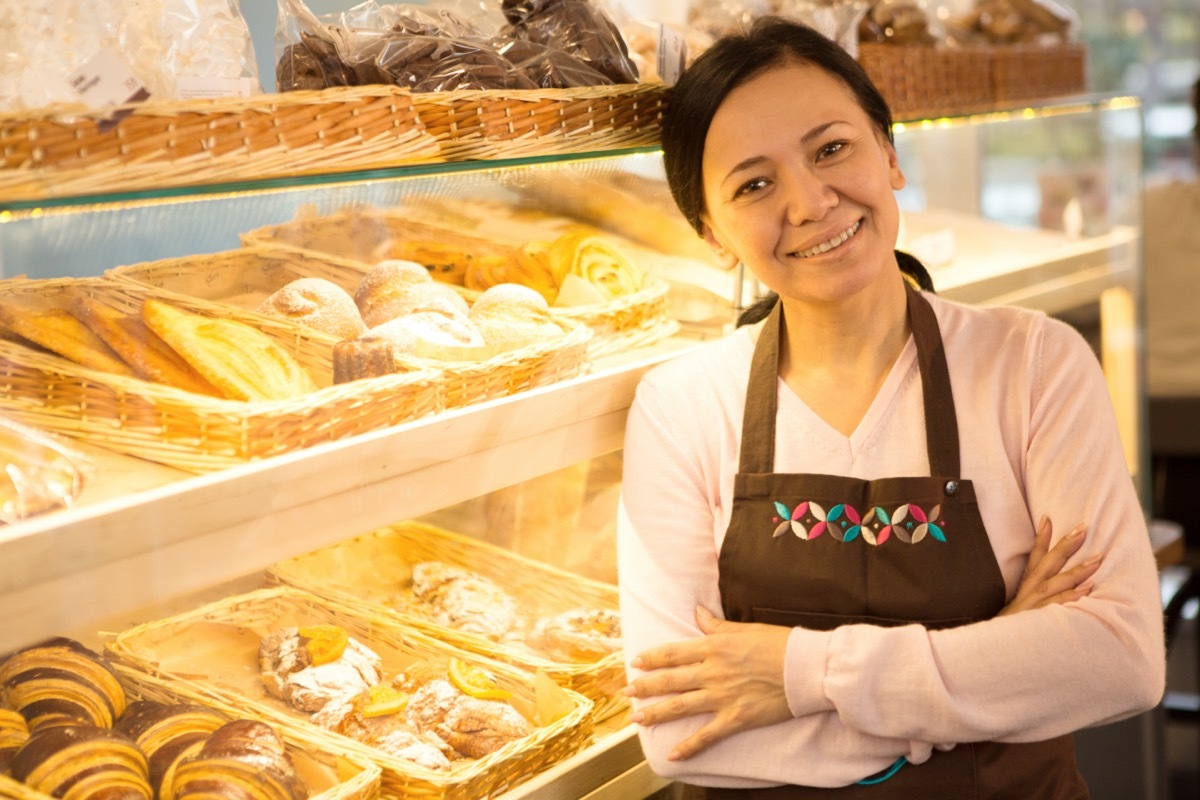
(746, 164)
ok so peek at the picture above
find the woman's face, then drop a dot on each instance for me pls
(799, 185)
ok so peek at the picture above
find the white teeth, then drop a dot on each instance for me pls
(825, 247)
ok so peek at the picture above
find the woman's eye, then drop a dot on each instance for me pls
(831, 149)
(749, 187)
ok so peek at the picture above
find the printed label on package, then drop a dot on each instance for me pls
(672, 54)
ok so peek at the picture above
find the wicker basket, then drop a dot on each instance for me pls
(360, 237)
(329, 774)
(64, 150)
(210, 654)
(497, 123)
(924, 81)
(243, 278)
(364, 573)
(187, 430)
(1026, 72)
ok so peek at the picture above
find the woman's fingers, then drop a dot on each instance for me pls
(1062, 587)
(1046, 581)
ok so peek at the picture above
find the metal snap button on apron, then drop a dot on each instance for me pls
(951, 488)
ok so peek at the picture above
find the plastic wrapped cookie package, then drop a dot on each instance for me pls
(107, 52)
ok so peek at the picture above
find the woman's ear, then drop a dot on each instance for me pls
(895, 175)
(725, 259)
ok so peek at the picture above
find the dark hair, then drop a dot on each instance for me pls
(1196, 109)
(732, 61)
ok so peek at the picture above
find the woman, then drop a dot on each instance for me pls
(827, 526)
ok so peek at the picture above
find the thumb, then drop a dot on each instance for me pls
(708, 622)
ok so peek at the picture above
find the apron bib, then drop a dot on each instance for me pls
(820, 551)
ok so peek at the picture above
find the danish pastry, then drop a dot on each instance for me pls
(242, 362)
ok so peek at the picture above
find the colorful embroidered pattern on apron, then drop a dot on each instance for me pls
(908, 522)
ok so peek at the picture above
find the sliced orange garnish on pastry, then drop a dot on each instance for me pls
(241, 361)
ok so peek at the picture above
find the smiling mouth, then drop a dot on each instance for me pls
(835, 242)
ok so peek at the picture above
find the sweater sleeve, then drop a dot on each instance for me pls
(1044, 672)
(667, 562)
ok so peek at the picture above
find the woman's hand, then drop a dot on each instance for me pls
(1045, 582)
(734, 671)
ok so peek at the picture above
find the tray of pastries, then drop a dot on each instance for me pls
(586, 276)
(179, 382)
(479, 597)
(386, 317)
(439, 722)
(74, 725)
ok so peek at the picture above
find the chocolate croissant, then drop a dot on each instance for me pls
(61, 682)
(93, 763)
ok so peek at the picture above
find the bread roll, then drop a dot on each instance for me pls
(422, 332)
(511, 316)
(378, 291)
(318, 304)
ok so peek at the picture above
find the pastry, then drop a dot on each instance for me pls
(61, 683)
(57, 330)
(362, 358)
(596, 260)
(242, 759)
(13, 735)
(536, 268)
(407, 334)
(140, 347)
(474, 726)
(574, 26)
(318, 304)
(306, 677)
(167, 734)
(578, 635)
(448, 263)
(511, 316)
(40, 472)
(94, 763)
(376, 717)
(463, 600)
(242, 362)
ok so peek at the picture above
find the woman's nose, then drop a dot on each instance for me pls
(807, 196)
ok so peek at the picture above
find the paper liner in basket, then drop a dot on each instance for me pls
(243, 278)
(211, 654)
(186, 430)
(367, 573)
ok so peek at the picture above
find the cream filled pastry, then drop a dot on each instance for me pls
(300, 667)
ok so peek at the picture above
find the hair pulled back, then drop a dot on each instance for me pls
(730, 62)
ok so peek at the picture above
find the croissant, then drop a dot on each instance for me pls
(62, 683)
(167, 734)
(92, 762)
(13, 735)
(242, 759)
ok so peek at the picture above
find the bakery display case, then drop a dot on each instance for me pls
(172, 524)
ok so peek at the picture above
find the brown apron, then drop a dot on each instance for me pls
(820, 551)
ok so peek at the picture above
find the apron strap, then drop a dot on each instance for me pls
(757, 455)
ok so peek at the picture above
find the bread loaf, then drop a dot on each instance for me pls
(316, 303)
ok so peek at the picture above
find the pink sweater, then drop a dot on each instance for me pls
(1038, 437)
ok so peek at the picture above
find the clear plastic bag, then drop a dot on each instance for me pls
(38, 473)
(581, 28)
(174, 49)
